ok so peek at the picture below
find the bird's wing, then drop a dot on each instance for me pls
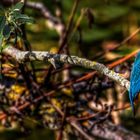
(135, 73)
(134, 81)
(137, 59)
(134, 91)
(135, 88)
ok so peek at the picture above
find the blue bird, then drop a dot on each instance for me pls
(135, 81)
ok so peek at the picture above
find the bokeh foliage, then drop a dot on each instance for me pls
(114, 20)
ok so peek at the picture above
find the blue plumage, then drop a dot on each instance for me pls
(135, 81)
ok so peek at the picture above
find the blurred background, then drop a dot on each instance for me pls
(97, 35)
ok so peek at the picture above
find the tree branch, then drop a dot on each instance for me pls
(55, 59)
(107, 130)
(52, 21)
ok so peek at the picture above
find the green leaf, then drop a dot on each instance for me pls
(1, 10)
(18, 6)
(2, 22)
(16, 14)
(6, 31)
(1, 39)
(24, 18)
(1, 7)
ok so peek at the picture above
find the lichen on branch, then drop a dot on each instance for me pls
(55, 59)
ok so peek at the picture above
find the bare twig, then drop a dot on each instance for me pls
(52, 21)
(73, 123)
(114, 47)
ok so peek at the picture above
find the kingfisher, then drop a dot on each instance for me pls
(135, 81)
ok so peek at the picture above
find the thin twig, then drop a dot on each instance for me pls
(114, 47)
